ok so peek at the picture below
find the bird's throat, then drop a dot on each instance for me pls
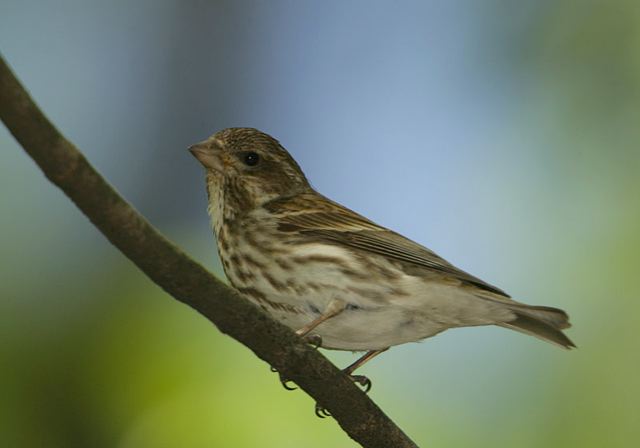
(216, 196)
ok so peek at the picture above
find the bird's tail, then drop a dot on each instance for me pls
(542, 322)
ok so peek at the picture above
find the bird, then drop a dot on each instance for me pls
(332, 275)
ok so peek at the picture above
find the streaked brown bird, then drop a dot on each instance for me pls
(323, 269)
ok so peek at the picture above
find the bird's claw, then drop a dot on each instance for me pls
(284, 381)
(363, 381)
(322, 412)
(314, 340)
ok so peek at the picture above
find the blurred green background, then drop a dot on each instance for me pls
(504, 135)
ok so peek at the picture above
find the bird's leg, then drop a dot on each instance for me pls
(361, 379)
(335, 307)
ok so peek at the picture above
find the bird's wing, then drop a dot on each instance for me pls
(315, 216)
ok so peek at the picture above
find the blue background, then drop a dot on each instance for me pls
(503, 135)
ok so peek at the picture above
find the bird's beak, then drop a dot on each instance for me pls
(208, 154)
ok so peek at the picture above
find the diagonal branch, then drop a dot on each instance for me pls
(186, 280)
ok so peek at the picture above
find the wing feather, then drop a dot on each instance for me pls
(331, 222)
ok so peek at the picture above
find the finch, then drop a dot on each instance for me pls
(324, 270)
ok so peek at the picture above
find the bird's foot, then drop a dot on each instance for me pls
(284, 381)
(362, 381)
(314, 340)
(322, 412)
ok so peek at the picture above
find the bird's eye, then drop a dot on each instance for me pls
(251, 158)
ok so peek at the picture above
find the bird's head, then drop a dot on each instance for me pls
(249, 166)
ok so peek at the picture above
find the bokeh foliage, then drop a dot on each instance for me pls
(545, 202)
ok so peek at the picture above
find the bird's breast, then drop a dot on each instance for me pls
(280, 272)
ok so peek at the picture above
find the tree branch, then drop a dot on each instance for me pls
(186, 280)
